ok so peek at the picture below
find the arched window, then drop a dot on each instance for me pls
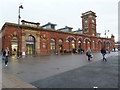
(52, 40)
(30, 38)
(60, 40)
(52, 44)
(67, 41)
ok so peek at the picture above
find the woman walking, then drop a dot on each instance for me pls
(6, 54)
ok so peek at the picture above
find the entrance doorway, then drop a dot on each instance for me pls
(30, 45)
(60, 48)
(14, 48)
(73, 44)
(73, 47)
(52, 46)
(79, 45)
(30, 49)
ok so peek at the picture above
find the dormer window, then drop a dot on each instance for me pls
(49, 26)
(66, 29)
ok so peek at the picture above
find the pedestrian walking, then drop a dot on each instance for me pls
(89, 54)
(103, 52)
(6, 54)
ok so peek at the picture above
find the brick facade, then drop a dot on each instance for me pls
(46, 41)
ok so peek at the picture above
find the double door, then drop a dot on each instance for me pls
(30, 49)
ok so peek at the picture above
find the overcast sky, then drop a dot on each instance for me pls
(62, 12)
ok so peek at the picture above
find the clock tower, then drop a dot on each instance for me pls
(89, 23)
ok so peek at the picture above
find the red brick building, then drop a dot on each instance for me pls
(36, 39)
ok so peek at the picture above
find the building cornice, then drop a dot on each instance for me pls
(49, 30)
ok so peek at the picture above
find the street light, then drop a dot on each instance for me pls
(106, 32)
(18, 51)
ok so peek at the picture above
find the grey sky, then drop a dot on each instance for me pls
(62, 12)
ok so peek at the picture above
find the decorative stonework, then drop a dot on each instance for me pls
(44, 38)
(35, 34)
(13, 36)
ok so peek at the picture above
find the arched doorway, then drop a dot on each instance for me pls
(30, 45)
(73, 44)
(87, 44)
(14, 46)
(80, 42)
(14, 43)
(79, 45)
(52, 45)
(60, 45)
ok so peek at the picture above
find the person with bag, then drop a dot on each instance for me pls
(89, 54)
(6, 54)
(103, 52)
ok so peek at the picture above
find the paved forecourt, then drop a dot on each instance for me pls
(33, 69)
(99, 74)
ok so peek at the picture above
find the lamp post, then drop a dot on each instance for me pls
(106, 33)
(18, 51)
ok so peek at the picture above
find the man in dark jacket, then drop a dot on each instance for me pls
(89, 54)
(103, 52)
(6, 54)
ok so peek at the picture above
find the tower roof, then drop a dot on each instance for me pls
(89, 13)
